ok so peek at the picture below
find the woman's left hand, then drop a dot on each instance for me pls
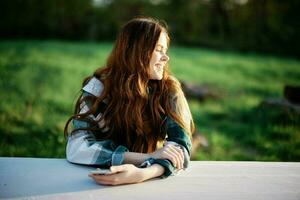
(121, 174)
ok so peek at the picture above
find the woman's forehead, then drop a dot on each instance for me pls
(162, 40)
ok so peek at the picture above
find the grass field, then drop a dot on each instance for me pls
(40, 81)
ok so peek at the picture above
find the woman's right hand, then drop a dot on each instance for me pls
(171, 152)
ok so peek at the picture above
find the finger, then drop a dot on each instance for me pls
(105, 179)
(170, 146)
(170, 157)
(178, 151)
(181, 155)
(97, 176)
(171, 150)
(173, 157)
(102, 182)
(101, 176)
(118, 168)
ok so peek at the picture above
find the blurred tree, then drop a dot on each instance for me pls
(248, 25)
(44, 19)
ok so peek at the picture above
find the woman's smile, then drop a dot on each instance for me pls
(159, 58)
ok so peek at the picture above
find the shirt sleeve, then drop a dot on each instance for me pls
(83, 147)
(176, 134)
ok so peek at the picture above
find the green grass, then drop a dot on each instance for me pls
(40, 81)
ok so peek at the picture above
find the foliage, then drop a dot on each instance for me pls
(269, 26)
(40, 81)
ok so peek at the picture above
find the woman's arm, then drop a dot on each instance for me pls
(82, 146)
(169, 151)
(127, 174)
(135, 158)
(176, 134)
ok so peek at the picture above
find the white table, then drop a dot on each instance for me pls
(40, 178)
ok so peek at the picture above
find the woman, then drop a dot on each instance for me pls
(132, 116)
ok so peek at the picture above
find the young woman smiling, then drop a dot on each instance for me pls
(132, 116)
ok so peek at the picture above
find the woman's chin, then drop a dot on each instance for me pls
(157, 77)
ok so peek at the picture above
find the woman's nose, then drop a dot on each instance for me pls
(164, 58)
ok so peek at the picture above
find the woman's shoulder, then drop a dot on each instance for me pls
(94, 86)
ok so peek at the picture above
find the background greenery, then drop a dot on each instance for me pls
(40, 81)
(246, 49)
(271, 26)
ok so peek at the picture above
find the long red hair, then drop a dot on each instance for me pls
(134, 99)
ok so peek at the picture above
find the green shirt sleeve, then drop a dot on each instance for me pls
(175, 134)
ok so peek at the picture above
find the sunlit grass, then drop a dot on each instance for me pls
(40, 81)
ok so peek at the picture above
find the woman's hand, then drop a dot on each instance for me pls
(171, 152)
(122, 174)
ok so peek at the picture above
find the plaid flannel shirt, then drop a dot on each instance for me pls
(83, 147)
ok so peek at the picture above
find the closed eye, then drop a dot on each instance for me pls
(160, 48)
(161, 51)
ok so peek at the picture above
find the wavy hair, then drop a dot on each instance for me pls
(135, 103)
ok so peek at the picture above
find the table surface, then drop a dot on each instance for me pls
(41, 178)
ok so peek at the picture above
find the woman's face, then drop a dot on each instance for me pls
(159, 58)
